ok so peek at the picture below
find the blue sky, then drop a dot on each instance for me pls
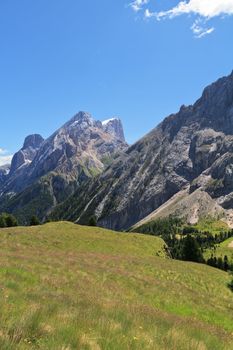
(106, 57)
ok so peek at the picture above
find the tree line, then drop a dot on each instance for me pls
(9, 220)
(188, 243)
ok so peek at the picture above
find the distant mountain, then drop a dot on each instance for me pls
(27, 153)
(190, 152)
(45, 172)
(17, 176)
(114, 127)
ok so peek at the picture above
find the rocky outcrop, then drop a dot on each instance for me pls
(114, 127)
(27, 153)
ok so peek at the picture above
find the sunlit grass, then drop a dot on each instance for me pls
(210, 225)
(222, 249)
(64, 287)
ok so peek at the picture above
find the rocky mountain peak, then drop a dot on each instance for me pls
(27, 153)
(81, 119)
(114, 127)
(215, 107)
(33, 141)
(219, 88)
(82, 140)
(79, 149)
(213, 110)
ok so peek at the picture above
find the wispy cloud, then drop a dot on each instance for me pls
(204, 10)
(138, 5)
(199, 29)
(5, 158)
(2, 151)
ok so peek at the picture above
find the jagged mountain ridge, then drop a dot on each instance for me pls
(54, 167)
(190, 149)
(81, 141)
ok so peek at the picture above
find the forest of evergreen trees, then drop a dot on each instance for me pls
(186, 242)
(8, 220)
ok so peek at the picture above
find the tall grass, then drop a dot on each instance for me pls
(65, 287)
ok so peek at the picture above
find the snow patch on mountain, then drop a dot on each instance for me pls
(107, 121)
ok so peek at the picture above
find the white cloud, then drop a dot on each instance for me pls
(5, 160)
(204, 10)
(149, 14)
(4, 157)
(137, 5)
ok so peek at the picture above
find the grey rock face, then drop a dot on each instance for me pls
(4, 171)
(114, 127)
(27, 153)
(33, 141)
(192, 147)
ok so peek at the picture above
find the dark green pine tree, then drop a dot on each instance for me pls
(2, 221)
(10, 220)
(191, 250)
(34, 221)
(92, 221)
(230, 285)
(225, 263)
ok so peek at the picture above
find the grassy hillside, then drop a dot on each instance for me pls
(65, 287)
(213, 226)
(222, 249)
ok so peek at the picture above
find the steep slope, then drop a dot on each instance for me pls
(192, 207)
(45, 172)
(4, 171)
(191, 148)
(65, 286)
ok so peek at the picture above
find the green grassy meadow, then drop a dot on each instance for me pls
(213, 226)
(65, 287)
(221, 250)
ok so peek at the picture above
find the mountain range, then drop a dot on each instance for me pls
(43, 173)
(183, 167)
